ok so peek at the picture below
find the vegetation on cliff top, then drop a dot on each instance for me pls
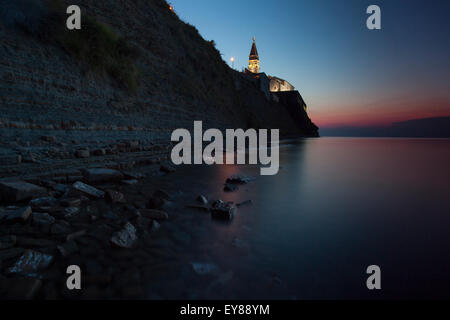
(96, 45)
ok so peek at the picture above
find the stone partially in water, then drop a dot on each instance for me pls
(230, 187)
(202, 199)
(223, 211)
(238, 179)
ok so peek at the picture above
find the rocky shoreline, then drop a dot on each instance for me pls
(112, 223)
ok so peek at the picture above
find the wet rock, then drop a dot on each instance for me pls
(154, 214)
(204, 268)
(82, 153)
(88, 190)
(130, 182)
(238, 179)
(68, 248)
(115, 196)
(30, 263)
(125, 238)
(71, 212)
(202, 199)
(15, 191)
(17, 215)
(167, 168)
(7, 242)
(22, 288)
(42, 219)
(223, 211)
(230, 187)
(34, 243)
(71, 202)
(99, 175)
(43, 203)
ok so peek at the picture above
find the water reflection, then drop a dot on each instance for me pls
(336, 207)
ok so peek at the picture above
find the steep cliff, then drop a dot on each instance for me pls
(136, 72)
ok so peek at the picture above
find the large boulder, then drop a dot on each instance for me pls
(15, 191)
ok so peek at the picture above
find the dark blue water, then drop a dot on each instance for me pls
(337, 206)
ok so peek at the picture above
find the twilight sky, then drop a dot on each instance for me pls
(347, 74)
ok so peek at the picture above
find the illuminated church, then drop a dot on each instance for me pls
(275, 84)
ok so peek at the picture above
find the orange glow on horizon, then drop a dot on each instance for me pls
(378, 114)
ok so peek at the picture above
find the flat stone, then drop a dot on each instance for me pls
(202, 199)
(68, 248)
(125, 238)
(223, 211)
(42, 219)
(238, 179)
(44, 202)
(115, 196)
(71, 202)
(88, 190)
(99, 175)
(154, 214)
(17, 215)
(7, 242)
(15, 191)
(30, 263)
(230, 187)
(130, 182)
(71, 212)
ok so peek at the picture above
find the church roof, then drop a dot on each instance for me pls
(254, 52)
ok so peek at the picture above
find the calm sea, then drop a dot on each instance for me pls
(337, 206)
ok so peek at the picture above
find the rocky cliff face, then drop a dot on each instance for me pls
(54, 102)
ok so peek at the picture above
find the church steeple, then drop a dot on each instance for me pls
(253, 60)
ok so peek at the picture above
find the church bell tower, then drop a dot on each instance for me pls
(253, 60)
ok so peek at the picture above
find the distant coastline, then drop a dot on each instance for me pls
(437, 127)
